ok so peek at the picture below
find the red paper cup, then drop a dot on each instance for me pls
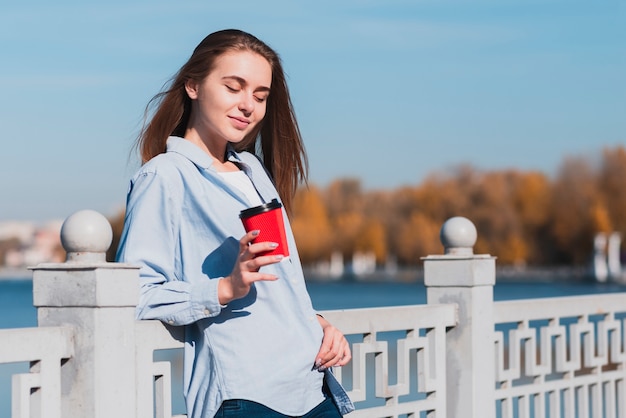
(268, 219)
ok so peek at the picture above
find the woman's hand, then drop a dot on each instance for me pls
(335, 350)
(246, 270)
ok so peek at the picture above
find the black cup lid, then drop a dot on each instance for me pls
(246, 213)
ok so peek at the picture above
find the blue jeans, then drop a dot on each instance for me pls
(239, 408)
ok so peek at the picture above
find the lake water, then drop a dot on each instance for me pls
(17, 311)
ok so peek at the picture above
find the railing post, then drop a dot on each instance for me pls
(467, 280)
(98, 299)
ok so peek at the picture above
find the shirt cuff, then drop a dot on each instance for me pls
(205, 300)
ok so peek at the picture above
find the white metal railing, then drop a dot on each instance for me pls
(154, 379)
(459, 356)
(408, 343)
(44, 348)
(561, 357)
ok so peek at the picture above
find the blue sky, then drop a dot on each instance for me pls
(386, 91)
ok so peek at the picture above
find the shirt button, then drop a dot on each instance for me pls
(207, 312)
(171, 322)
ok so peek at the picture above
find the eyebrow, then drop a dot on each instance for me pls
(243, 82)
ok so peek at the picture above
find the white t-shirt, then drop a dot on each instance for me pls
(241, 181)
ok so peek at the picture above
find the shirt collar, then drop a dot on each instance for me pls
(197, 156)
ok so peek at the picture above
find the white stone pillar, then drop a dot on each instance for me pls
(613, 253)
(467, 280)
(600, 265)
(98, 299)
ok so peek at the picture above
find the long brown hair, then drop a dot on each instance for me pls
(276, 139)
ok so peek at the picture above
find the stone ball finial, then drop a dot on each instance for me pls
(458, 236)
(86, 236)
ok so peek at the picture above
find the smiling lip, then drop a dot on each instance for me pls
(239, 123)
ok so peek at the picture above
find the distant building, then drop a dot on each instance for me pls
(24, 244)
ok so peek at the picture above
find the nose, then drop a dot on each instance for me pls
(246, 104)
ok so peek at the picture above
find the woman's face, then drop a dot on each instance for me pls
(231, 100)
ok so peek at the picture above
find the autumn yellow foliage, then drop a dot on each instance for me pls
(523, 218)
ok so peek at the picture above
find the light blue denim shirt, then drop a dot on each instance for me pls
(182, 228)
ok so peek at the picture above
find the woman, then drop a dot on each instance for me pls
(254, 345)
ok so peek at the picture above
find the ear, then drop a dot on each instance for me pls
(191, 87)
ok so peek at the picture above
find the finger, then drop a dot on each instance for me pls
(261, 247)
(322, 354)
(257, 262)
(249, 278)
(265, 278)
(250, 251)
(248, 238)
(245, 254)
(346, 357)
(335, 350)
(340, 359)
(327, 353)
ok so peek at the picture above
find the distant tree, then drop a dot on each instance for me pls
(418, 238)
(371, 238)
(530, 193)
(600, 219)
(344, 196)
(531, 201)
(311, 226)
(345, 202)
(346, 231)
(493, 214)
(443, 196)
(612, 185)
(574, 194)
(402, 203)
